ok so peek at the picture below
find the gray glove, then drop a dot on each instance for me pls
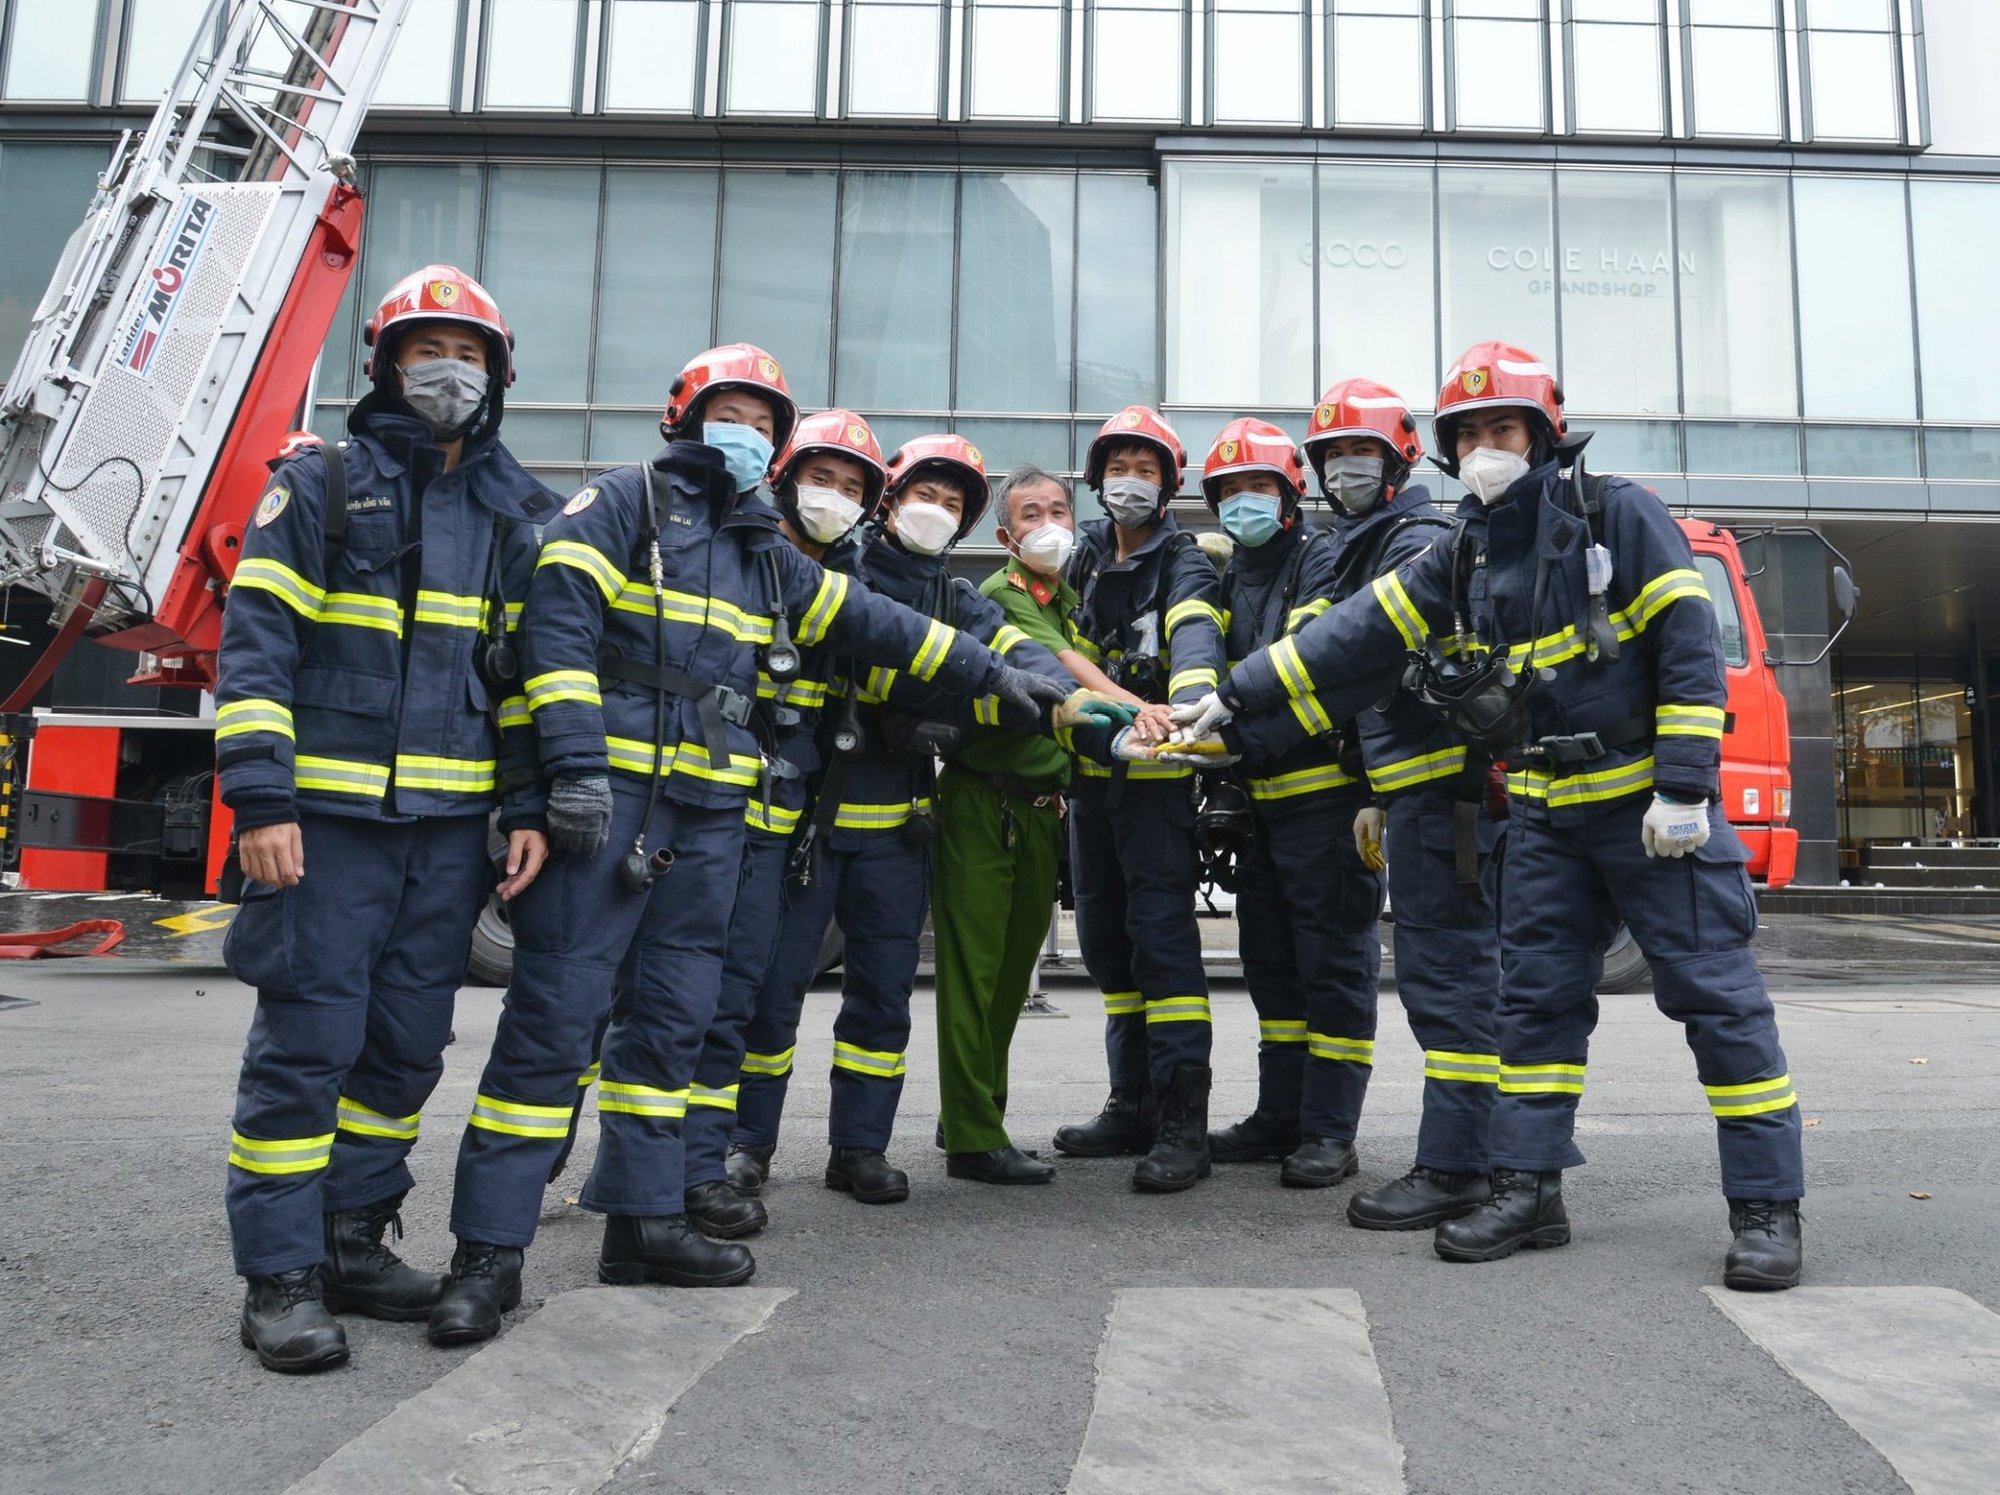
(1028, 691)
(580, 815)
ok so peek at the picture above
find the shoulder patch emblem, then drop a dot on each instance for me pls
(581, 502)
(272, 505)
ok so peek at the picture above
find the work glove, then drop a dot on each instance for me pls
(1127, 748)
(1673, 830)
(1028, 691)
(1199, 719)
(580, 815)
(1217, 546)
(1091, 708)
(1210, 752)
(1369, 827)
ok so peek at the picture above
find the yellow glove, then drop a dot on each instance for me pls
(1208, 752)
(1369, 827)
(1090, 708)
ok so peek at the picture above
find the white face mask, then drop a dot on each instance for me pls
(1489, 473)
(825, 514)
(1046, 549)
(925, 528)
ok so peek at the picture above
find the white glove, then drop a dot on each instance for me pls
(1369, 827)
(1127, 748)
(1199, 719)
(1672, 830)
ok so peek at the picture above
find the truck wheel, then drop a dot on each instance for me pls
(831, 949)
(491, 961)
(1625, 969)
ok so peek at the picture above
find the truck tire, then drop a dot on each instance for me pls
(1625, 969)
(491, 961)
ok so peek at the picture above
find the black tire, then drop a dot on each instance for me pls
(491, 960)
(1625, 969)
(831, 949)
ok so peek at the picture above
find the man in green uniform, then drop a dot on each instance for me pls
(999, 824)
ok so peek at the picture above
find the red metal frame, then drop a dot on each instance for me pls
(71, 760)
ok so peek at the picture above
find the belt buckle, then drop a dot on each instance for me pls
(734, 705)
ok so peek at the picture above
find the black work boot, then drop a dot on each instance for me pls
(718, 1210)
(748, 1167)
(1261, 1137)
(1127, 1124)
(288, 1326)
(1319, 1163)
(667, 1248)
(1180, 1154)
(361, 1275)
(866, 1174)
(484, 1282)
(1767, 1254)
(1421, 1198)
(1526, 1209)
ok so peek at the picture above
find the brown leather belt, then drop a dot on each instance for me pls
(1006, 783)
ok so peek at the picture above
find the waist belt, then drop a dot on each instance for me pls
(1572, 749)
(715, 704)
(1006, 783)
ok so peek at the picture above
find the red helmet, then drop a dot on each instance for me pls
(1251, 445)
(1137, 423)
(844, 434)
(732, 366)
(441, 293)
(296, 442)
(1361, 407)
(1488, 375)
(953, 455)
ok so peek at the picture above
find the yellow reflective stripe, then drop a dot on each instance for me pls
(456, 775)
(1005, 637)
(1093, 770)
(1475, 1069)
(1312, 716)
(1300, 781)
(631, 755)
(721, 1098)
(1688, 721)
(1405, 772)
(878, 1063)
(1282, 1030)
(1395, 601)
(261, 574)
(771, 817)
(856, 817)
(1342, 1050)
(490, 1113)
(341, 776)
(256, 715)
(1300, 616)
(588, 559)
(1541, 1079)
(589, 1076)
(936, 646)
(450, 609)
(701, 612)
(1193, 607)
(824, 608)
(1202, 677)
(363, 610)
(986, 711)
(1582, 788)
(514, 610)
(641, 1100)
(280, 1155)
(770, 1064)
(514, 712)
(1088, 650)
(1188, 1009)
(876, 685)
(1123, 1003)
(1660, 593)
(351, 1116)
(562, 685)
(1292, 671)
(805, 694)
(1752, 1099)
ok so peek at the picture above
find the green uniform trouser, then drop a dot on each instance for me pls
(990, 910)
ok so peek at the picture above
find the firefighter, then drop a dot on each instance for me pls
(1149, 613)
(654, 594)
(866, 864)
(1306, 906)
(1562, 623)
(369, 709)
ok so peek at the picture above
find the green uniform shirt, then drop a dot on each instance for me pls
(1041, 609)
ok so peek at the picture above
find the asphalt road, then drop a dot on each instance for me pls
(960, 1341)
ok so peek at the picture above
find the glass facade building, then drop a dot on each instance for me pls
(1751, 235)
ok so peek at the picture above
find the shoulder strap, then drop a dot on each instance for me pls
(333, 513)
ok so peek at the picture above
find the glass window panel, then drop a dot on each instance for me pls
(777, 271)
(1617, 70)
(652, 46)
(1016, 62)
(530, 54)
(1256, 63)
(1853, 86)
(895, 291)
(627, 435)
(1498, 65)
(1848, 15)
(892, 59)
(1198, 429)
(1736, 296)
(1732, 12)
(1741, 448)
(1968, 453)
(417, 215)
(1378, 71)
(773, 57)
(1861, 452)
(1650, 447)
(1117, 292)
(418, 73)
(1618, 290)
(1378, 7)
(561, 479)
(1735, 81)
(1499, 269)
(891, 431)
(1958, 297)
(1616, 10)
(545, 435)
(654, 308)
(1135, 64)
(1007, 444)
(1376, 278)
(49, 57)
(536, 216)
(329, 422)
(160, 33)
(46, 188)
(1854, 349)
(1517, 8)
(1015, 261)
(1239, 282)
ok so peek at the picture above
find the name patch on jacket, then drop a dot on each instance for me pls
(374, 504)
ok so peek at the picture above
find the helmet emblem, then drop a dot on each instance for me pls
(857, 435)
(1227, 451)
(1323, 416)
(1473, 382)
(443, 292)
(1132, 417)
(972, 455)
(768, 367)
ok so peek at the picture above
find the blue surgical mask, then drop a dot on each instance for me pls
(746, 451)
(1251, 518)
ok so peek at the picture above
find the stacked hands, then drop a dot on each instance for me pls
(1184, 735)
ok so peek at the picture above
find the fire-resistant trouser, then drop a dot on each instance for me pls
(753, 931)
(576, 932)
(993, 888)
(1563, 890)
(1447, 974)
(355, 969)
(876, 886)
(1134, 869)
(1306, 914)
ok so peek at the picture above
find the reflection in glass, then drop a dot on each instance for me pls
(1618, 290)
(530, 53)
(1735, 80)
(1135, 69)
(160, 33)
(1378, 71)
(1117, 292)
(1737, 354)
(1016, 249)
(1853, 85)
(1256, 64)
(650, 50)
(1861, 452)
(1499, 271)
(1958, 297)
(777, 271)
(1728, 618)
(892, 59)
(1498, 68)
(418, 215)
(1855, 349)
(1376, 278)
(1908, 760)
(1239, 235)
(1617, 72)
(1646, 447)
(49, 54)
(773, 56)
(1742, 448)
(653, 308)
(1967, 452)
(1016, 62)
(535, 217)
(418, 73)
(895, 291)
